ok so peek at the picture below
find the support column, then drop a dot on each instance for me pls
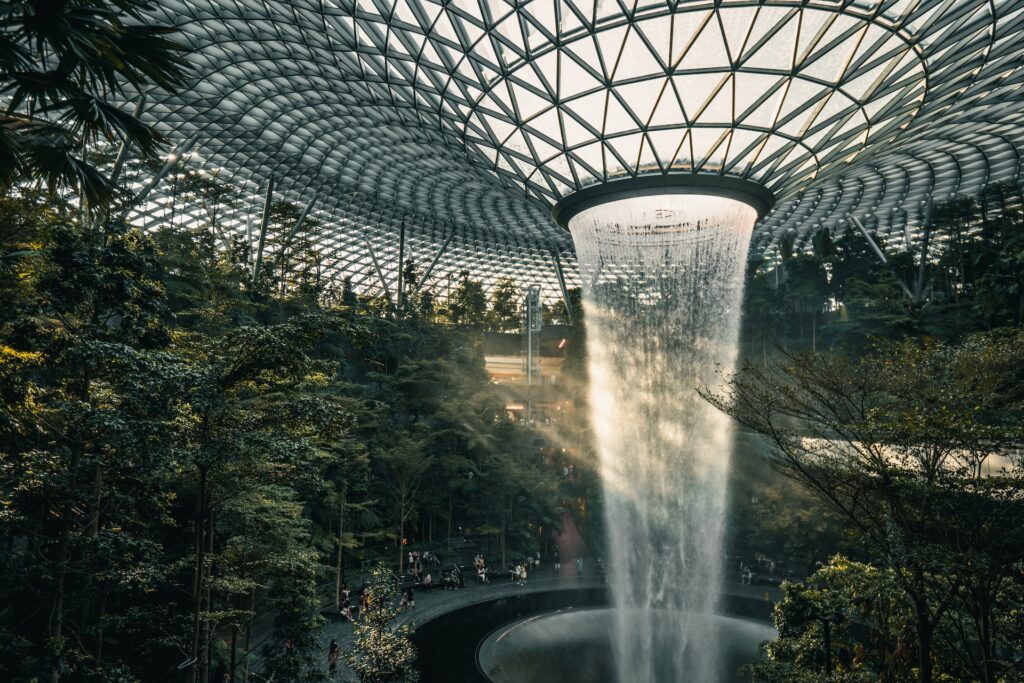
(399, 295)
(264, 222)
(376, 266)
(437, 257)
(561, 283)
(881, 257)
(172, 160)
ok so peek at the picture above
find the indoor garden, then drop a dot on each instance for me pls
(491, 342)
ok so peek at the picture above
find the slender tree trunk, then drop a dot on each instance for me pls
(198, 571)
(924, 642)
(401, 537)
(341, 540)
(57, 630)
(205, 641)
(102, 613)
(234, 643)
(248, 635)
(451, 504)
(503, 563)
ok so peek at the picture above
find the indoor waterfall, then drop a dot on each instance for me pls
(663, 279)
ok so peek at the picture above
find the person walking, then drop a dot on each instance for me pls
(579, 567)
(558, 562)
(333, 654)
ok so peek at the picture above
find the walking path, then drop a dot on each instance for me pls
(434, 603)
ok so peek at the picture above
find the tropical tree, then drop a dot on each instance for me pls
(382, 653)
(62, 66)
(902, 443)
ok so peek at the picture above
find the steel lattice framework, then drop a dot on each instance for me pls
(468, 119)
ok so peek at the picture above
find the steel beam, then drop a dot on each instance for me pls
(400, 299)
(122, 153)
(881, 257)
(298, 224)
(264, 222)
(376, 266)
(561, 284)
(430, 268)
(172, 160)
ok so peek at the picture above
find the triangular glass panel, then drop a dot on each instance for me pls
(684, 155)
(648, 161)
(658, 33)
(642, 96)
(636, 60)
(801, 97)
(742, 147)
(613, 166)
(666, 143)
(547, 124)
(813, 26)
(585, 51)
(771, 146)
(617, 118)
(529, 102)
(667, 112)
(776, 53)
(573, 78)
(541, 149)
(706, 142)
(575, 133)
(719, 109)
(836, 106)
(707, 51)
(696, 89)
(569, 20)
(830, 57)
(768, 19)
(861, 87)
(583, 175)
(592, 157)
(628, 148)
(589, 108)
(736, 23)
(610, 42)
(685, 29)
(751, 88)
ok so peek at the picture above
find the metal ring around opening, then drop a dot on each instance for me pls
(756, 196)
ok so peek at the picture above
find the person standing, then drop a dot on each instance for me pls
(333, 654)
(558, 562)
(579, 567)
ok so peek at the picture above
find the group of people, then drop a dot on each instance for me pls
(417, 560)
(351, 611)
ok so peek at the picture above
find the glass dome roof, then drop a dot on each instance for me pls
(468, 119)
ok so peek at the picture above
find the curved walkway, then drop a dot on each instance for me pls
(434, 603)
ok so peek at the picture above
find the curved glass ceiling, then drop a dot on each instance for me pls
(471, 117)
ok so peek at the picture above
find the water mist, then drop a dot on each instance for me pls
(662, 284)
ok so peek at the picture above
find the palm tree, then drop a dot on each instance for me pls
(62, 64)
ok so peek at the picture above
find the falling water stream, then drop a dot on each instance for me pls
(663, 280)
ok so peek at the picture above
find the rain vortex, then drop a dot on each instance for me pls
(663, 281)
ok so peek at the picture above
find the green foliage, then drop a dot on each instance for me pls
(962, 274)
(185, 454)
(61, 64)
(916, 446)
(505, 299)
(870, 628)
(381, 653)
